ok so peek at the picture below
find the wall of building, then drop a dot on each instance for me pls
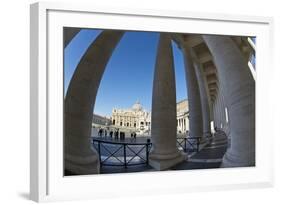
(182, 117)
(139, 120)
(101, 120)
(133, 118)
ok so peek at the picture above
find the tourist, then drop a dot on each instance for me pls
(116, 134)
(135, 135)
(122, 135)
(100, 132)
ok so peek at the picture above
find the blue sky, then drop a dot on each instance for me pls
(129, 73)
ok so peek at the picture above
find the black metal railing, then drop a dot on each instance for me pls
(114, 152)
(122, 152)
(192, 144)
(189, 144)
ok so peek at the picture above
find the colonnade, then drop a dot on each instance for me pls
(239, 90)
(182, 122)
(234, 90)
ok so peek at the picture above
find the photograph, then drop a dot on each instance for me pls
(147, 101)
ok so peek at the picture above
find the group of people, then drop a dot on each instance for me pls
(116, 133)
(102, 132)
(133, 135)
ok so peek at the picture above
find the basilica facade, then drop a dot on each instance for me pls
(139, 119)
(136, 118)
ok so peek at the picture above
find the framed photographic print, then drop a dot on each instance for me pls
(148, 101)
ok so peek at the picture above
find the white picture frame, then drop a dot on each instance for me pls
(47, 182)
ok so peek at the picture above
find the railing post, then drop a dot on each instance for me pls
(147, 153)
(125, 160)
(99, 153)
(185, 144)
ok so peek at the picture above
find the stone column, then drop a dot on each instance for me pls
(223, 109)
(79, 156)
(223, 112)
(217, 110)
(195, 108)
(181, 124)
(214, 112)
(204, 98)
(239, 90)
(220, 109)
(164, 153)
(211, 106)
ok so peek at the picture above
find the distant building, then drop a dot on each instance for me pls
(132, 118)
(99, 120)
(182, 116)
(140, 120)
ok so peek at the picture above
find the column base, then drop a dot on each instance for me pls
(77, 165)
(229, 160)
(160, 163)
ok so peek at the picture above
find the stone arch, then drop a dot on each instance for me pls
(79, 156)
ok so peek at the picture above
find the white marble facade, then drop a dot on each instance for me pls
(138, 118)
(182, 117)
(135, 117)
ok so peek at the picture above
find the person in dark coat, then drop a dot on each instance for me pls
(100, 132)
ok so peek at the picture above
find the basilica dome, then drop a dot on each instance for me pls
(137, 106)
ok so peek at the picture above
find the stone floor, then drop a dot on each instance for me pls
(210, 156)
